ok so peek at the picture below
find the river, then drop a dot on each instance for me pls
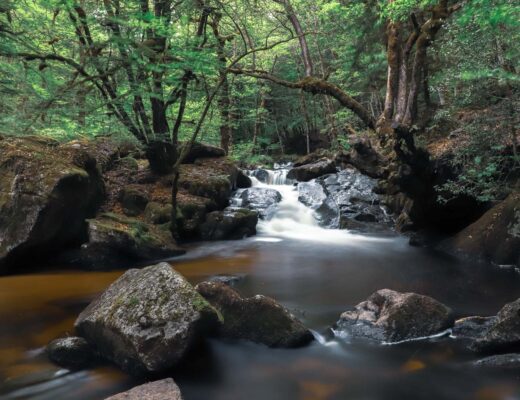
(317, 273)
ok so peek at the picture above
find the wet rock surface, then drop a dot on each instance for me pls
(231, 223)
(147, 320)
(501, 361)
(504, 333)
(71, 353)
(263, 200)
(472, 328)
(390, 316)
(165, 389)
(258, 319)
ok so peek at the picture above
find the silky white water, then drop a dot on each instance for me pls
(294, 220)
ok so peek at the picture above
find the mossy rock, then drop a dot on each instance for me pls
(134, 199)
(157, 213)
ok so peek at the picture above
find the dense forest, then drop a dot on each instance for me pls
(169, 168)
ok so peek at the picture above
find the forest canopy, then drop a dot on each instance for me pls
(266, 78)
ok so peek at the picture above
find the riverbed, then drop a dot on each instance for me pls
(316, 273)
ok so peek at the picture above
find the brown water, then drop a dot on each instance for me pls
(317, 280)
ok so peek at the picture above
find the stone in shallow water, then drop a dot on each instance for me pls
(71, 353)
(390, 316)
(258, 319)
(263, 200)
(147, 320)
(504, 333)
(472, 327)
(502, 361)
(165, 389)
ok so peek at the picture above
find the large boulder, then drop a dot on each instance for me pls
(259, 319)
(390, 316)
(232, 223)
(165, 389)
(71, 353)
(202, 150)
(263, 200)
(46, 193)
(307, 172)
(134, 199)
(356, 204)
(313, 195)
(494, 237)
(115, 240)
(504, 334)
(147, 320)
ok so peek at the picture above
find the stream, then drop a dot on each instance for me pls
(315, 272)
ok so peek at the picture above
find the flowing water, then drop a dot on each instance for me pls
(317, 273)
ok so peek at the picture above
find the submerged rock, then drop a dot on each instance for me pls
(259, 319)
(306, 172)
(502, 361)
(46, 193)
(165, 389)
(147, 320)
(232, 223)
(494, 237)
(71, 353)
(230, 280)
(263, 200)
(261, 174)
(390, 316)
(504, 333)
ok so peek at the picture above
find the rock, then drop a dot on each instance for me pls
(147, 320)
(114, 237)
(259, 319)
(313, 195)
(351, 195)
(364, 158)
(263, 200)
(472, 327)
(157, 213)
(502, 361)
(504, 333)
(202, 150)
(313, 157)
(46, 193)
(216, 188)
(134, 200)
(243, 181)
(128, 163)
(307, 172)
(390, 316)
(71, 353)
(232, 223)
(495, 237)
(261, 174)
(165, 389)
(191, 214)
(230, 280)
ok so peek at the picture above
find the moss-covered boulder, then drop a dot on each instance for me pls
(147, 320)
(157, 213)
(494, 237)
(117, 240)
(231, 223)
(46, 193)
(202, 150)
(258, 319)
(134, 199)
